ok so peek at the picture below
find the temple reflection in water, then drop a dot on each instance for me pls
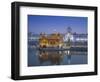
(57, 49)
(46, 58)
(54, 57)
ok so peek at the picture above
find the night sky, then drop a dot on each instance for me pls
(50, 24)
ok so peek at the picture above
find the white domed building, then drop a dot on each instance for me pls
(68, 38)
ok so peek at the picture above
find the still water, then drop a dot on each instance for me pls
(46, 58)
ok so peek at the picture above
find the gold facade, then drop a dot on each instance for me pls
(53, 40)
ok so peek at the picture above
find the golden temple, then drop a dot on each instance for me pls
(52, 40)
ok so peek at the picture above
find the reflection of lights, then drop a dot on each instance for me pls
(67, 52)
(60, 52)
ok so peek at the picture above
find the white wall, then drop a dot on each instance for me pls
(5, 40)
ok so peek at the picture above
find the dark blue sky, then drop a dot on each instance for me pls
(49, 24)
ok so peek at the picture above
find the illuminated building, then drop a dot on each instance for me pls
(43, 40)
(52, 40)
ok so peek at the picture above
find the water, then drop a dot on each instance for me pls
(47, 58)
